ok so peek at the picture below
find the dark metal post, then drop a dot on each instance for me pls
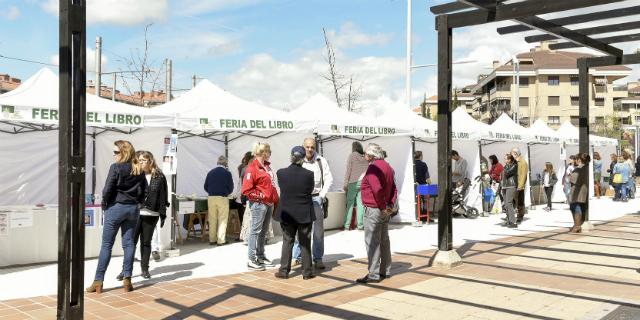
(226, 145)
(530, 177)
(443, 204)
(93, 165)
(583, 92)
(71, 139)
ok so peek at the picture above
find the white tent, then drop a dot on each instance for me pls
(546, 146)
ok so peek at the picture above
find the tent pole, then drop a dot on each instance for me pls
(415, 182)
(529, 173)
(226, 145)
(93, 166)
(174, 201)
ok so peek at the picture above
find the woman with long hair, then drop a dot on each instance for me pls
(579, 194)
(123, 191)
(597, 174)
(241, 199)
(549, 180)
(154, 208)
(356, 166)
(259, 186)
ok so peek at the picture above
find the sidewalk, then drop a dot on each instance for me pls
(540, 275)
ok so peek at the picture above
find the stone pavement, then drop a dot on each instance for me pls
(541, 275)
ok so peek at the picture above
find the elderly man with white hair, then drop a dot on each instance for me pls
(379, 196)
(523, 174)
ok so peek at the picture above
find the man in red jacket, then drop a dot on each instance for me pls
(379, 196)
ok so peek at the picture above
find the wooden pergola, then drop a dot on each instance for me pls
(525, 14)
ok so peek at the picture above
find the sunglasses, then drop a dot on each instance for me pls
(116, 152)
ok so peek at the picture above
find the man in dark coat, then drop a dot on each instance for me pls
(295, 212)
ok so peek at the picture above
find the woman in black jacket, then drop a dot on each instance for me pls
(123, 191)
(509, 184)
(153, 208)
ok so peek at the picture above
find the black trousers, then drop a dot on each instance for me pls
(519, 201)
(144, 231)
(548, 191)
(289, 231)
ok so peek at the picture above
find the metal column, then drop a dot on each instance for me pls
(71, 139)
(174, 202)
(415, 182)
(443, 204)
(583, 91)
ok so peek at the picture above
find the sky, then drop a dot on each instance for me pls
(268, 51)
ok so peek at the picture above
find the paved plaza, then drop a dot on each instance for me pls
(528, 274)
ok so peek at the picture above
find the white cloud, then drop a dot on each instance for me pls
(11, 13)
(350, 36)
(198, 44)
(198, 7)
(91, 60)
(119, 12)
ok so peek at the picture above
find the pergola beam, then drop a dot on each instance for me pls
(577, 39)
(594, 62)
(582, 18)
(517, 10)
(606, 41)
(458, 6)
(588, 31)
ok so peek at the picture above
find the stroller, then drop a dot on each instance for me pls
(459, 197)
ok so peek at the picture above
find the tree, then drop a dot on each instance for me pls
(144, 72)
(338, 81)
(423, 108)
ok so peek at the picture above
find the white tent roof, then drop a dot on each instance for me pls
(400, 116)
(36, 101)
(466, 127)
(504, 128)
(571, 135)
(540, 132)
(208, 107)
(329, 119)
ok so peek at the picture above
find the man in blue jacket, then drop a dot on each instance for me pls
(219, 185)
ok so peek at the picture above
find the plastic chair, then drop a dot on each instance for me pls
(427, 190)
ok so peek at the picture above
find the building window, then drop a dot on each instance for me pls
(553, 119)
(524, 82)
(637, 119)
(599, 102)
(625, 120)
(600, 120)
(575, 101)
(554, 80)
(524, 101)
(575, 81)
(575, 120)
(524, 121)
(554, 101)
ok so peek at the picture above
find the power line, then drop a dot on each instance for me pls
(26, 60)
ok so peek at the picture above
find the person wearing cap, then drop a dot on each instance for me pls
(218, 185)
(295, 213)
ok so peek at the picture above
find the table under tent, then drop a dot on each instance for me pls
(29, 137)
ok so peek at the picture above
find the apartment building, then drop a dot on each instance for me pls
(8, 83)
(548, 89)
(627, 110)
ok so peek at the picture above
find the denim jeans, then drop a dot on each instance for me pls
(621, 191)
(260, 219)
(123, 217)
(317, 241)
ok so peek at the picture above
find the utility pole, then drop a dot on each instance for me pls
(113, 90)
(409, 56)
(516, 78)
(168, 80)
(98, 65)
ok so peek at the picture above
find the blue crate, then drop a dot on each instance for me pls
(427, 190)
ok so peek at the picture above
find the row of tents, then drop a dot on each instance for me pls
(211, 122)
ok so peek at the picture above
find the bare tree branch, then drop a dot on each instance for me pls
(333, 75)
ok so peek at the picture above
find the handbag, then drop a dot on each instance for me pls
(617, 178)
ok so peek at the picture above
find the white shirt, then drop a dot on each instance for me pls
(312, 165)
(145, 211)
(547, 176)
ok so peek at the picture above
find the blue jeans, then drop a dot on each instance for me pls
(260, 219)
(576, 208)
(621, 191)
(631, 187)
(317, 240)
(123, 217)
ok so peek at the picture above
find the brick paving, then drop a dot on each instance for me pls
(542, 275)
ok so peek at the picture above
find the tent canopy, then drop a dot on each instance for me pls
(403, 117)
(570, 134)
(207, 107)
(540, 132)
(465, 127)
(36, 101)
(504, 128)
(329, 119)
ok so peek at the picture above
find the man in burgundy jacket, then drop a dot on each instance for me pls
(379, 195)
